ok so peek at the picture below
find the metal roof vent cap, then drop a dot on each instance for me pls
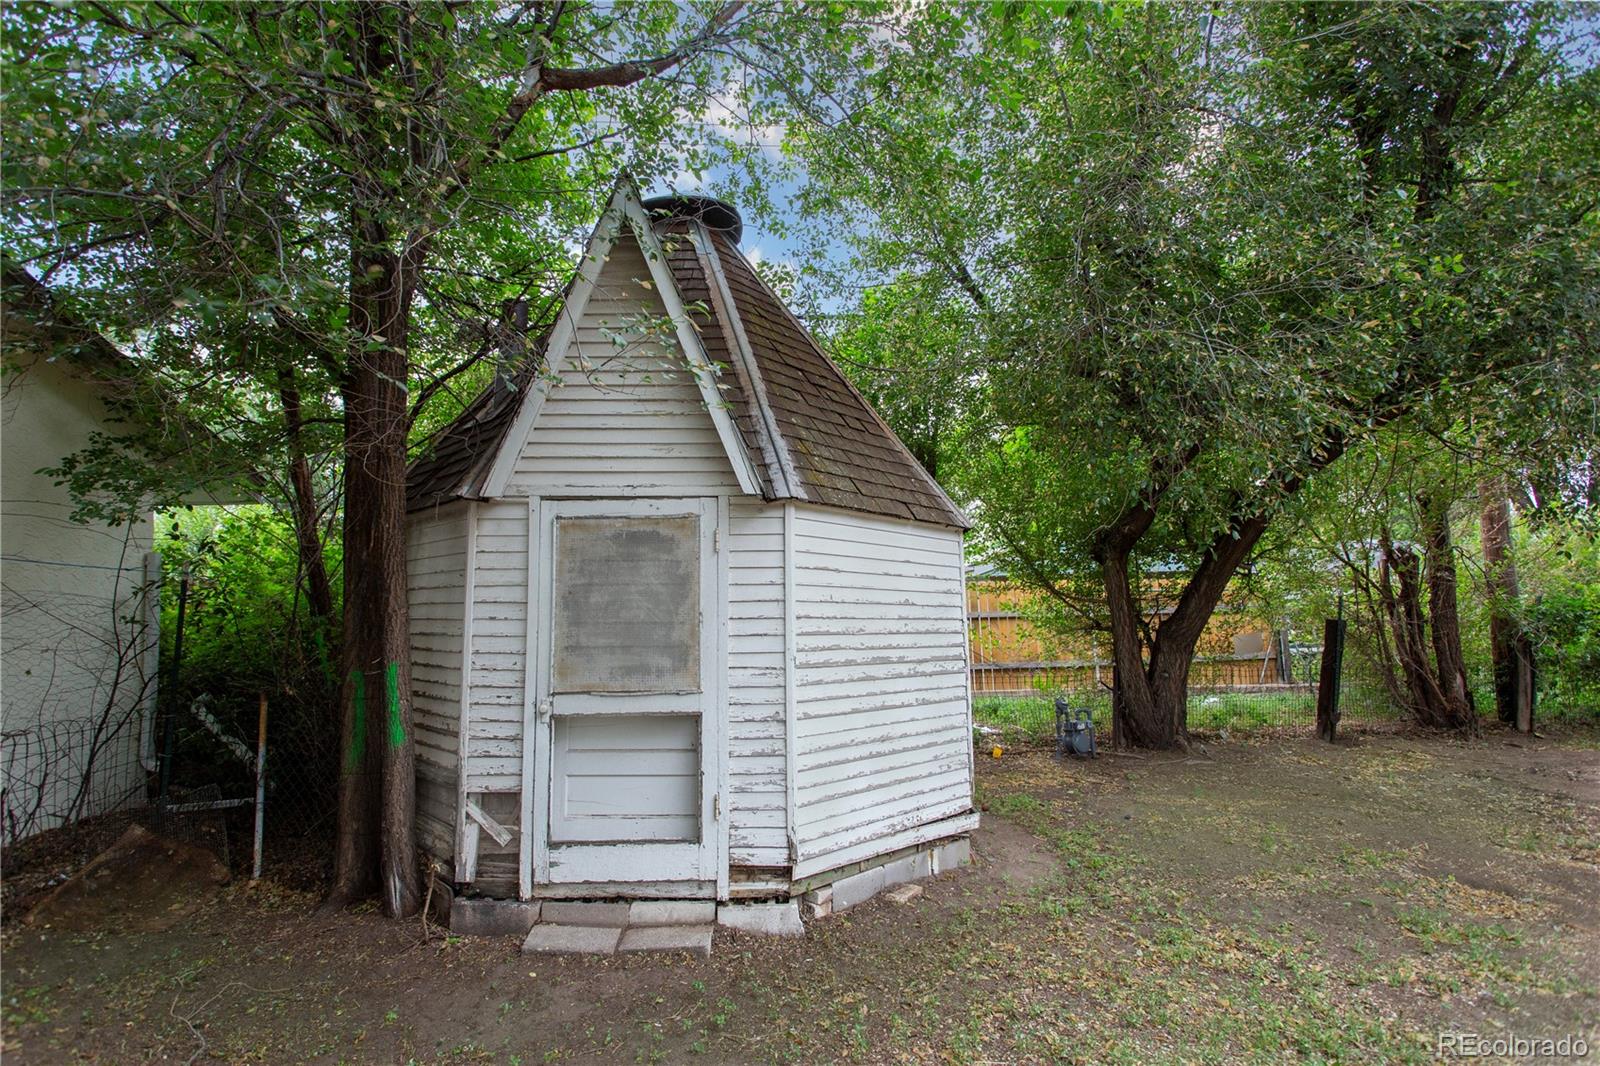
(713, 213)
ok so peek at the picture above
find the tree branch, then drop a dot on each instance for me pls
(536, 81)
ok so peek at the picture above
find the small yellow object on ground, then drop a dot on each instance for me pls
(998, 751)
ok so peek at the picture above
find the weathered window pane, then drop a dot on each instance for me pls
(627, 604)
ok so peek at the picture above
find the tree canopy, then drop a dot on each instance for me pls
(325, 215)
(1200, 253)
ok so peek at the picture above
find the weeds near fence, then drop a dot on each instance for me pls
(1211, 710)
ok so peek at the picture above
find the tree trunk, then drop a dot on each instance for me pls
(1377, 603)
(319, 591)
(1509, 648)
(1169, 688)
(1152, 705)
(377, 797)
(1403, 606)
(1440, 572)
(1142, 719)
(1400, 584)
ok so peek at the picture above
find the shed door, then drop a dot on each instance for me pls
(625, 690)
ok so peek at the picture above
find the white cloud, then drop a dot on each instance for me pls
(686, 181)
(725, 113)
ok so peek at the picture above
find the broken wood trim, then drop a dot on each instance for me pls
(501, 835)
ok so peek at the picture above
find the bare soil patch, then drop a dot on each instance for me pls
(1261, 900)
(142, 881)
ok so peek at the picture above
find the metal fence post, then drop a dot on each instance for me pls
(169, 718)
(261, 786)
(1328, 683)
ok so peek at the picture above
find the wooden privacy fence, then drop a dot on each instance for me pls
(1030, 678)
(1010, 657)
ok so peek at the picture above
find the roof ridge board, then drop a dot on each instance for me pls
(705, 372)
(591, 261)
(766, 425)
(750, 419)
(686, 261)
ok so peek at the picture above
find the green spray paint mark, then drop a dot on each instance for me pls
(397, 730)
(358, 729)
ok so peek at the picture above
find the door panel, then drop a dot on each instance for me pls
(626, 777)
(628, 727)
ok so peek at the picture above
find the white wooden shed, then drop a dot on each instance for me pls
(687, 618)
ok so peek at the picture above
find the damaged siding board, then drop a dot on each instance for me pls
(436, 818)
(436, 560)
(499, 648)
(756, 754)
(881, 705)
(628, 418)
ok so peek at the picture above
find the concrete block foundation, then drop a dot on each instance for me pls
(492, 917)
(771, 919)
(854, 889)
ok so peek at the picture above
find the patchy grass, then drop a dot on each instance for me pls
(1210, 711)
(1271, 901)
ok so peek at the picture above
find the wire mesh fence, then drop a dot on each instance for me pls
(214, 752)
(70, 788)
(59, 773)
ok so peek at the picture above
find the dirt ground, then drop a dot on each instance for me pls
(1259, 900)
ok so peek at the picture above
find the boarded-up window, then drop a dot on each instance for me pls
(627, 604)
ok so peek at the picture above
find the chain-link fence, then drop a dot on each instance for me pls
(69, 789)
(214, 753)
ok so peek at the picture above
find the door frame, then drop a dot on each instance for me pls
(538, 747)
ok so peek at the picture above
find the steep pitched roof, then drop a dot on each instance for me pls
(29, 315)
(454, 464)
(805, 431)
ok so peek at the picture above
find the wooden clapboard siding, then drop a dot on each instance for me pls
(436, 818)
(436, 558)
(757, 766)
(882, 726)
(625, 419)
(498, 665)
(844, 713)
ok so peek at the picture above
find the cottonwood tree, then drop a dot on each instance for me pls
(342, 176)
(893, 346)
(1203, 253)
(1382, 526)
